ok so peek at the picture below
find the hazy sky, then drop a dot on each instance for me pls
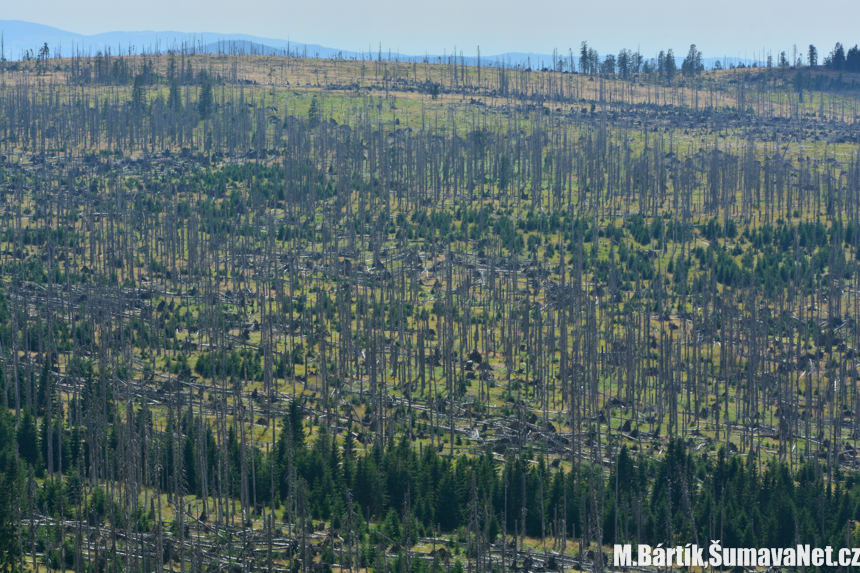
(729, 28)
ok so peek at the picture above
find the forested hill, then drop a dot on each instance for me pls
(275, 313)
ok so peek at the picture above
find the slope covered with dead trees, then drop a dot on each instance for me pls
(270, 313)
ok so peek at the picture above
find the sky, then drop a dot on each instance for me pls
(732, 28)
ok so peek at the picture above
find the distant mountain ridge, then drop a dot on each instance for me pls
(20, 36)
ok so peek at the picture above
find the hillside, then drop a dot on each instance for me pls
(298, 314)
